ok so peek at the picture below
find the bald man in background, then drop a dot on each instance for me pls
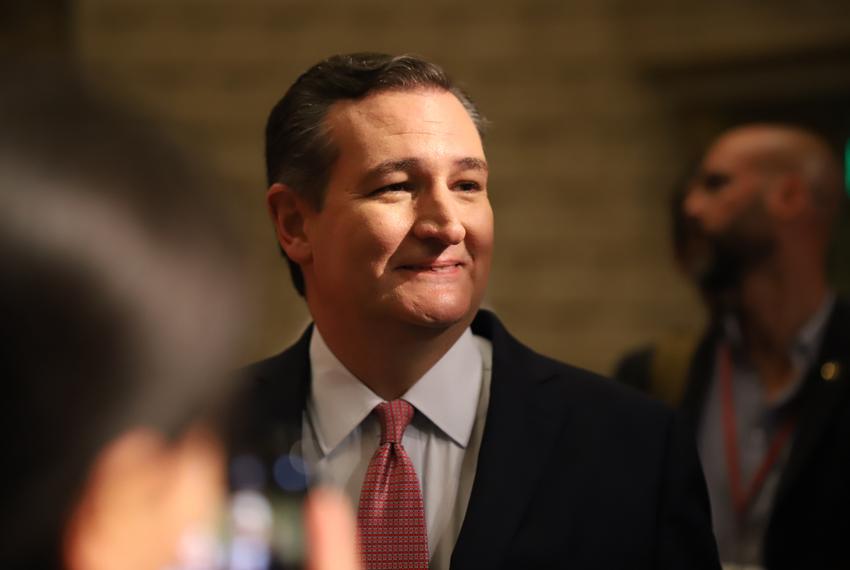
(769, 391)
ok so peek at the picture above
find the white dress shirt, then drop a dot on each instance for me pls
(341, 434)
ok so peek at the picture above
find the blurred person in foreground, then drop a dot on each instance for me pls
(461, 447)
(122, 302)
(769, 392)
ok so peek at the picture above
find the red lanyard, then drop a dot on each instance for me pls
(741, 497)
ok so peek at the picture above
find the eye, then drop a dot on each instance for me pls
(715, 181)
(468, 186)
(395, 187)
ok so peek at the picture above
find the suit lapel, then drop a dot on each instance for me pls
(519, 431)
(290, 378)
(822, 394)
(277, 394)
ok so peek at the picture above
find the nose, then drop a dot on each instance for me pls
(694, 203)
(438, 216)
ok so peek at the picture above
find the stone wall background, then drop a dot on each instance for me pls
(596, 105)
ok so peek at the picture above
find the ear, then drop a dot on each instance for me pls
(289, 211)
(789, 197)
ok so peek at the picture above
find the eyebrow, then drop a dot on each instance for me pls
(390, 166)
(407, 164)
(470, 163)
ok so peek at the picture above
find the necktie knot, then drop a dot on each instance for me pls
(394, 416)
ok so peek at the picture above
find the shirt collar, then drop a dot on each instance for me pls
(447, 394)
(803, 352)
(806, 343)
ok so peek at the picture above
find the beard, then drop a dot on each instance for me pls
(729, 261)
(720, 262)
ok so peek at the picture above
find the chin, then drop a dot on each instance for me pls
(436, 308)
(439, 315)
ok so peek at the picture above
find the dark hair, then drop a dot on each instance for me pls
(299, 152)
(113, 254)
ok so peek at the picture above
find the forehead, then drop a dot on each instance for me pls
(423, 123)
(734, 151)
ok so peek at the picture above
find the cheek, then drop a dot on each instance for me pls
(480, 236)
(379, 231)
(359, 242)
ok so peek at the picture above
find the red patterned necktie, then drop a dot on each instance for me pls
(391, 517)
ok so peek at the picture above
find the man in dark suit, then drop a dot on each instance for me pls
(768, 392)
(378, 193)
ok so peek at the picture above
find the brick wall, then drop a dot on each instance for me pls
(583, 149)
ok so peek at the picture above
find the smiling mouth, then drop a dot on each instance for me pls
(433, 267)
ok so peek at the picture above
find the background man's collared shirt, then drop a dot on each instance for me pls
(341, 434)
(757, 421)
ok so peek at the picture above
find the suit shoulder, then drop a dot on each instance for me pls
(271, 399)
(265, 367)
(291, 361)
(604, 393)
(566, 384)
(573, 400)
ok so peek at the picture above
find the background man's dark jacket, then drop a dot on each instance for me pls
(574, 470)
(810, 523)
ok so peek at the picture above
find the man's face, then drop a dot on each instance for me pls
(733, 231)
(726, 186)
(406, 229)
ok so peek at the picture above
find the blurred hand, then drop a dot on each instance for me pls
(331, 532)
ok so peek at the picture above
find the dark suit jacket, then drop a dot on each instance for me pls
(810, 523)
(574, 471)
